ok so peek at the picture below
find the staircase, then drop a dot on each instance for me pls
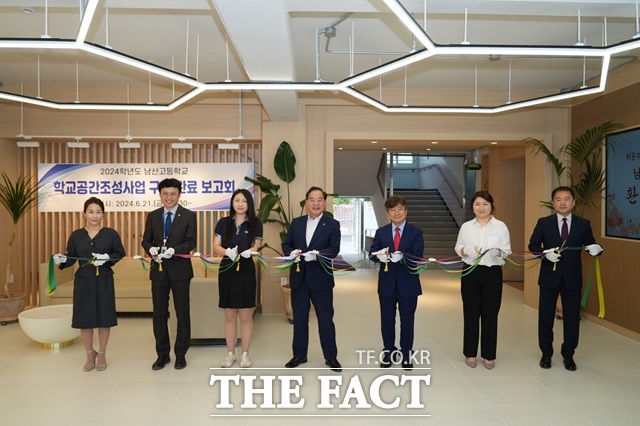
(428, 211)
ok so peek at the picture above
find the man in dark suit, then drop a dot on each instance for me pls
(170, 230)
(397, 287)
(308, 236)
(561, 272)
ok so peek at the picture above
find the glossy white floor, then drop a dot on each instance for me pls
(42, 386)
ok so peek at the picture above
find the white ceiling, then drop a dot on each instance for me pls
(275, 40)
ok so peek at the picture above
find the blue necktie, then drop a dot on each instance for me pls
(167, 224)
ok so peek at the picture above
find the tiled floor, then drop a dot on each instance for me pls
(40, 386)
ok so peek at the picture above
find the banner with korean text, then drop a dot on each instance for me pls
(134, 187)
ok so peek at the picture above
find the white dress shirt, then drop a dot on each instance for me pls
(493, 235)
(312, 224)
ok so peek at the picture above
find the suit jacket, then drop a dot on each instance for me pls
(325, 239)
(182, 238)
(546, 235)
(397, 274)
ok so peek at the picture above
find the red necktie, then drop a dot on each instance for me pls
(396, 239)
(564, 234)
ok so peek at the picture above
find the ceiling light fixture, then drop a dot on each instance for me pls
(129, 145)
(181, 145)
(28, 144)
(78, 144)
(228, 145)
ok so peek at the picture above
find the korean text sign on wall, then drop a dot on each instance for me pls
(134, 187)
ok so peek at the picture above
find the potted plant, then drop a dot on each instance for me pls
(587, 179)
(17, 197)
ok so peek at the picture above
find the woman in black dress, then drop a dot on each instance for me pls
(94, 304)
(235, 237)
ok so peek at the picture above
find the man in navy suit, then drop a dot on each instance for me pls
(170, 230)
(397, 287)
(308, 236)
(561, 272)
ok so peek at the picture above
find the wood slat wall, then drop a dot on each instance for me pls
(44, 234)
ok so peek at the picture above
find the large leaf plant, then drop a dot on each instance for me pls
(17, 197)
(585, 151)
(273, 208)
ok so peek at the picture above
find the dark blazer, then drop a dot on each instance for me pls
(397, 275)
(182, 238)
(325, 239)
(546, 235)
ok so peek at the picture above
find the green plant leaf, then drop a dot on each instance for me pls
(538, 147)
(266, 206)
(17, 197)
(284, 162)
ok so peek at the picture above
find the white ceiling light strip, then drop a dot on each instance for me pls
(89, 12)
(407, 60)
(405, 17)
(137, 63)
(577, 52)
(38, 44)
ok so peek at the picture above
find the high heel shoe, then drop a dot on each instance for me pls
(101, 367)
(89, 367)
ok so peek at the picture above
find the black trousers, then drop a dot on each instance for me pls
(481, 298)
(570, 319)
(160, 296)
(301, 299)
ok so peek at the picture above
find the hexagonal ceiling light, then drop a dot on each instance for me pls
(430, 52)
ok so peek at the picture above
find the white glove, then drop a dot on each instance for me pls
(153, 251)
(295, 255)
(552, 255)
(59, 258)
(246, 254)
(100, 258)
(495, 252)
(396, 257)
(471, 252)
(167, 253)
(231, 253)
(382, 257)
(594, 249)
(310, 256)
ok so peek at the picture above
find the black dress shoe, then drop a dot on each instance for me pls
(545, 362)
(333, 364)
(181, 362)
(569, 363)
(386, 360)
(161, 362)
(406, 365)
(295, 361)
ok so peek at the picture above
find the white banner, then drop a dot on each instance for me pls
(134, 187)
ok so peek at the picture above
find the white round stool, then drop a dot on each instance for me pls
(49, 325)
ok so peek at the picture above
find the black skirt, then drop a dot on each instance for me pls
(237, 286)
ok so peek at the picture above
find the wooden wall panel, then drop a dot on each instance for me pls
(44, 234)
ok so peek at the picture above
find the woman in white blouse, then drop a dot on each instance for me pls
(482, 288)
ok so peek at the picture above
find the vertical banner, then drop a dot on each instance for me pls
(134, 187)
